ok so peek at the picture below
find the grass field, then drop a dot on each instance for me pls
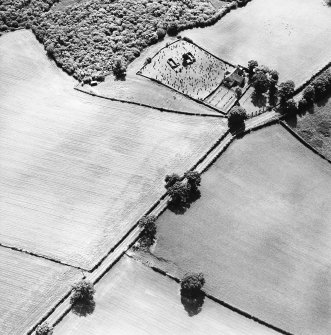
(29, 287)
(291, 36)
(196, 80)
(315, 126)
(78, 171)
(133, 299)
(260, 232)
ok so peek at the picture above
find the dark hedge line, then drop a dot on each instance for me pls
(86, 38)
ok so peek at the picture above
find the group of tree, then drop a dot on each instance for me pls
(263, 79)
(44, 329)
(180, 189)
(148, 235)
(316, 91)
(236, 118)
(192, 296)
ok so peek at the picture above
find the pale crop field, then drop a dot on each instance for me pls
(133, 299)
(76, 172)
(291, 36)
(196, 80)
(29, 287)
(260, 232)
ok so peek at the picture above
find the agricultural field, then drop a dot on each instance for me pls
(314, 126)
(291, 36)
(131, 291)
(29, 288)
(197, 78)
(79, 171)
(260, 232)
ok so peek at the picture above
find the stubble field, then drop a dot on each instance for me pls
(77, 171)
(29, 288)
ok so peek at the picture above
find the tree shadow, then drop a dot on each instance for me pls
(292, 121)
(237, 129)
(84, 308)
(258, 100)
(192, 304)
(181, 207)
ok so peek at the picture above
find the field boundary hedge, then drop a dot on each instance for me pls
(161, 109)
(49, 259)
(217, 300)
(303, 141)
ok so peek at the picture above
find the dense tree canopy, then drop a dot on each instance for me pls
(192, 284)
(260, 82)
(237, 117)
(148, 235)
(44, 329)
(83, 292)
(286, 90)
(86, 37)
(193, 179)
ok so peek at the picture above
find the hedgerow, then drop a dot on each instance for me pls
(85, 38)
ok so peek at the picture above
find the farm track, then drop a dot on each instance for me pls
(221, 115)
(62, 308)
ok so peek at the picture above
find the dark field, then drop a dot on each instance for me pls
(314, 126)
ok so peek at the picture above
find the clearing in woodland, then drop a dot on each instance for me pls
(133, 299)
(260, 232)
(77, 171)
(29, 288)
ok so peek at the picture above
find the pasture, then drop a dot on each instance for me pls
(78, 171)
(29, 288)
(291, 36)
(142, 90)
(260, 232)
(197, 79)
(314, 126)
(133, 299)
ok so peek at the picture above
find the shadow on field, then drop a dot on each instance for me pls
(84, 308)
(192, 305)
(180, 208)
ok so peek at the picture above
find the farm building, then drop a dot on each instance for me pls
(237, 77)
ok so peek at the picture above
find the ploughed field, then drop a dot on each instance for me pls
(29, 288)
(291, 36)
(133, 299)
(314, 126)
(197, 78)
(77, 171)
(260, 232)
